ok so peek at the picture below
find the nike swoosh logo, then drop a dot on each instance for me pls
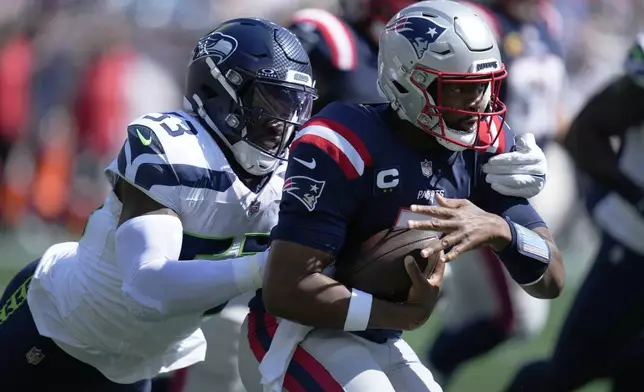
(144, 141)
(310, 165)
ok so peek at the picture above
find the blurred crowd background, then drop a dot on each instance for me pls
(73, 73)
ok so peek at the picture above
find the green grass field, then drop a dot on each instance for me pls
(487, 374)
(492, 372)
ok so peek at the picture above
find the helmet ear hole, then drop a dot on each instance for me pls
(432, 89)
(401, 89)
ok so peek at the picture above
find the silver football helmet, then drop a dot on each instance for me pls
(439, 47)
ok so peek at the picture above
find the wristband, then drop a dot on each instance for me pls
(359, 311)
(527, 256)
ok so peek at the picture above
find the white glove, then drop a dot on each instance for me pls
(521, 173)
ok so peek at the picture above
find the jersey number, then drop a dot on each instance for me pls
(174, 125)
(198, 247)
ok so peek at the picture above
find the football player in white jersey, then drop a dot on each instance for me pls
(126, 302)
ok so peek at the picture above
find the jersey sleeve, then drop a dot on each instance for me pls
(144, 161)
(323, 186)
(517, 209)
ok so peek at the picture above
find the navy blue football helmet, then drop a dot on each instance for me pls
(251, 82)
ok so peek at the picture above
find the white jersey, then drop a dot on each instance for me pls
(75, 295)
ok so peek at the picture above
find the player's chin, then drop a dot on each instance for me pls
(270, 145)
(463, 126)
(467, 126)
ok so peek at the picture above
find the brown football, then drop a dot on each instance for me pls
(377, 265)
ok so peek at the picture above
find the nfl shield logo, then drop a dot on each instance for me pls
(254, 207)
(34, 356)
(426, 168)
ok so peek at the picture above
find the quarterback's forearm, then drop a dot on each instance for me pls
(540, 272)
(310, 297)
(157, 285)
(551, 284)
(553, 280)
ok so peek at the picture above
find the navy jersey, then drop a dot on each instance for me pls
(349, 176)
(345, 63)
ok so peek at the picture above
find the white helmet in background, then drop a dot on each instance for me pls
(429, 44)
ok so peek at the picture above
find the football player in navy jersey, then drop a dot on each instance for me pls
(343, 51)
(355, 170)
(602, 334)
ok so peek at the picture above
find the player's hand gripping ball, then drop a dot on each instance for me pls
(377, 265)
(465, 225)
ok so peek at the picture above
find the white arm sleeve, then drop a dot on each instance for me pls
(157, 285)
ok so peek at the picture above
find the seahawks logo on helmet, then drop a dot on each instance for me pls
(217, 45)
(419, 31)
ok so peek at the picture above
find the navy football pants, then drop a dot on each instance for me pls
(31, 362)
(602, 334)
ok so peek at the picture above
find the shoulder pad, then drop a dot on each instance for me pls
(321, 30)
(162, 154)
(338, 139)
(504, 140)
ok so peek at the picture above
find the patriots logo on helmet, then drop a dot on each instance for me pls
(304, 189)
(419, 31)
(217, 45)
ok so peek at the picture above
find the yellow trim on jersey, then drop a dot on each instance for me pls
(17, 299)
(236, 248)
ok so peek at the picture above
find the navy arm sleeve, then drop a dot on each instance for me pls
(318, 200)
(516, 209)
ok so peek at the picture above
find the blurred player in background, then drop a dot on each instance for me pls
(602, 334)
(344, 49)
(484, 306)
(353, 171)
(126, 302)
